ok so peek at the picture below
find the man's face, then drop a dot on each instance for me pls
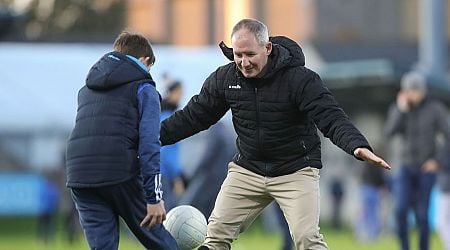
(415, 96)
(250, 56)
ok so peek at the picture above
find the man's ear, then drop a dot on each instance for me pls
(268, 48)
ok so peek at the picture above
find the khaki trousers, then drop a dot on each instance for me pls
(244, 195)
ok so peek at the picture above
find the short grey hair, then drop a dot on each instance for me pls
(256, 27)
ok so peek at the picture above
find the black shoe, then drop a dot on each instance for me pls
(203, 248)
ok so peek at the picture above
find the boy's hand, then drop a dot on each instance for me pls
(155, 214)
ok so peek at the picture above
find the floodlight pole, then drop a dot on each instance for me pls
(433, 39)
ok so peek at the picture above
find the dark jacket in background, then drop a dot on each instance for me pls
(212, 169)
(275, 117)
(443, 176)
(373, 176)
(418, 128)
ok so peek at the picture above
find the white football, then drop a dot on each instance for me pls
(187, 225)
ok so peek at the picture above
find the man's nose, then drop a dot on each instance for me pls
(245, 62)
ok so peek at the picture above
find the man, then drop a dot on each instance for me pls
(113, 151)
(276, 104)
(443, 181)
(418, 119)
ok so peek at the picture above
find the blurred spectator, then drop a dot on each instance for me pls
(337, 194)
(71, 224)
(418, 119)
(443, 221)
(171, 169)
(48, 211)
(7, 20)
(212, 169)
(368, 226)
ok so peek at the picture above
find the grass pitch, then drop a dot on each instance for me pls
(21, 234)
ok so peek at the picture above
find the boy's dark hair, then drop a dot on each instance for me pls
(134, 44)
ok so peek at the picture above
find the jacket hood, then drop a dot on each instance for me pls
(115, 69)
(285, 53)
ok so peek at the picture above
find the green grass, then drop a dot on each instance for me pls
(20, 234)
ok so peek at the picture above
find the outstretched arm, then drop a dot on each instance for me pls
(332, 121)
(321, 107)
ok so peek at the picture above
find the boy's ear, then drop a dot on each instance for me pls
(144, 60)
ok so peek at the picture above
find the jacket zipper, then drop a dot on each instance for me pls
(306, 157)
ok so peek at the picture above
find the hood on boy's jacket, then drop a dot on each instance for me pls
(112, 70)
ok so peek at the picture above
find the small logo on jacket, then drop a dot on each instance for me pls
(114, 57)
(234, 86)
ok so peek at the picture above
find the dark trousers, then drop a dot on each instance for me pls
(99, 210)
(412, 189)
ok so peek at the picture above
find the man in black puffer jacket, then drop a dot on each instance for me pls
(277, 105)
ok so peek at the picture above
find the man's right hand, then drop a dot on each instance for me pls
(156, 214)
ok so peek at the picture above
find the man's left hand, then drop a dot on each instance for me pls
(367, 155)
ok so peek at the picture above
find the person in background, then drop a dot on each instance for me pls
(443, 181)
(418, 119)
(47, 219)
(171, 169)
(337, 193)
(211, 169)
(287, 242)
(368, 225)
(113, 153)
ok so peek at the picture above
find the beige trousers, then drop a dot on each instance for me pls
(244, 195)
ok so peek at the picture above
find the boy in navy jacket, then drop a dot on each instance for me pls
(113, 152)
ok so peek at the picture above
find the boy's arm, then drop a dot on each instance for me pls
(149, 154)
(149, 145)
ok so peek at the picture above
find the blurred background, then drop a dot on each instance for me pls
(360, 48)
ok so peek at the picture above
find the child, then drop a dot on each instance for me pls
(113, 152)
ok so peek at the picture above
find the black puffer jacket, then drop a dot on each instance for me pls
(275, 117)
